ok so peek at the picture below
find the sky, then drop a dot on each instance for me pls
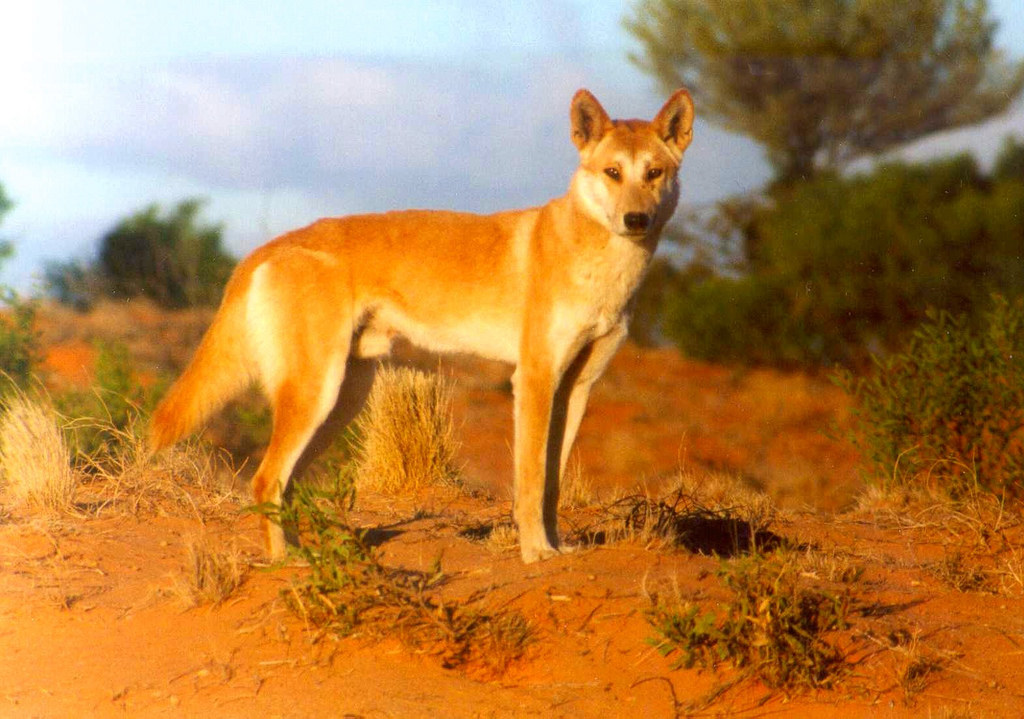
(280, 112)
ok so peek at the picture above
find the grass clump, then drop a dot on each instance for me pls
(211, 574)
(35, 462)
(576, 489)
(406, 436)
(347, 590)
(123, 475)
(949, 409)
(772, 629)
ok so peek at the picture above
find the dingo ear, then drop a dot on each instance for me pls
(674, 122)
(588, 119)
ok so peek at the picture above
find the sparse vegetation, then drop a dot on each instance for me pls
(114, 402)
(406, 436)
(959, 573)
(949, 410)
(706, 514)
(19, 342)
(772, 628)
(35, 463)
(348, 588)
(914, 665)
(211, 573)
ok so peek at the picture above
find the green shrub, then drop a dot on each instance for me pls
(72, 283)
(950, 408)
(19, 341)
(170, 257)
(773, 628)
(839, 267)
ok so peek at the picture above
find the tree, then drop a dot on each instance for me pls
(821, 82)
(173, 259)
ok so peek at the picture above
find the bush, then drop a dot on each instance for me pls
(19, 342)
(950, 408)
(171, 258)
(839, 267)
(773, 628)
(72, 283)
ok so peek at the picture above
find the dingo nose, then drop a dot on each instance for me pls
(636, 221)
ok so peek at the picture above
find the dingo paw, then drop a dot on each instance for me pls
(544, 551)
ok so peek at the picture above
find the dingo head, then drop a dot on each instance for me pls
(627, 175)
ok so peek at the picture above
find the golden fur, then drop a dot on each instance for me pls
(547, 289)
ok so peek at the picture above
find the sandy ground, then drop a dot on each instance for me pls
(93, 621)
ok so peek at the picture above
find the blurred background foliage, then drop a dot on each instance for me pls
(172, 258)
(827, 266)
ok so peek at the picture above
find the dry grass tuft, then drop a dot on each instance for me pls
(914, 666)
(504, 537)
(35, 462)
(1011, 575)
(830, 565)
(211, 574)
(406, 435)
(576, 489)
(721, 492)
(979, 517)
(187, 479)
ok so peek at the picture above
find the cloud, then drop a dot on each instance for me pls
(307, 123)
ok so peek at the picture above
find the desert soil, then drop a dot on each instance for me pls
(93, 621)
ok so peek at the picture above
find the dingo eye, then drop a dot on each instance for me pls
(613, 172)
(653, 174)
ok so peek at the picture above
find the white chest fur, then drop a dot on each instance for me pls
(604, 280)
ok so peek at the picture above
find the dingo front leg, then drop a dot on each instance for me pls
(535, 491)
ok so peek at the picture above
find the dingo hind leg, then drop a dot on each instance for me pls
(302, 350)
(300, 407)
(357, 382)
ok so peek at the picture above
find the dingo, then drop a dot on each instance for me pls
(548, 289)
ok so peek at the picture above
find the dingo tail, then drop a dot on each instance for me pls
(219, 370)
